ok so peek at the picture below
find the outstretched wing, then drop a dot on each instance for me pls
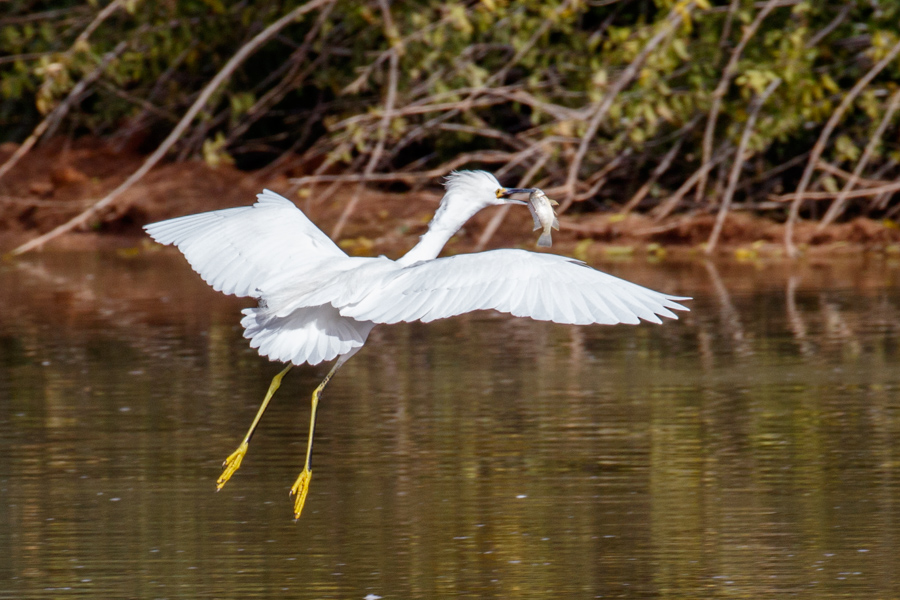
(545, 287)
(240, 250)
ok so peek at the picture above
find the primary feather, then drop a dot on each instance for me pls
(241, 250)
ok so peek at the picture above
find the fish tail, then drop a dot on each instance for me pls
(545, 241)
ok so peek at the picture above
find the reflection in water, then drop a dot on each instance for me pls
(746, 450)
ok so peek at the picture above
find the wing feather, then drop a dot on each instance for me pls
(545, 287)
(241, 250)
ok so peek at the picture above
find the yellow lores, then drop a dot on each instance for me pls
(541, 208)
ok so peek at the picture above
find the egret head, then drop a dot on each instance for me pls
(480, 189)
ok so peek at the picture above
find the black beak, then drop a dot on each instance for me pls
(507, 192)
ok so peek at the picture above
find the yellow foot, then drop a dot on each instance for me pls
(300, 489)
(231, 464)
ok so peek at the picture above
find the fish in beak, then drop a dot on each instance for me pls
(507, 192)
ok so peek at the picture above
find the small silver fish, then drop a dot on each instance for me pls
(541, 208)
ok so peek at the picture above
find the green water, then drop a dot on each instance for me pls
(748, 450)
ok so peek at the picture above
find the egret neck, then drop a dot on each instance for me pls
(449, 218)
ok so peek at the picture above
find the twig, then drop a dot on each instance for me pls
(814, 40)
(23, 57)
(721, 9)
(837, 207)
(660, 169)
(719, 93)
(518, 158)
(322, 197)
(866, 193)
(837, 171)
(678, 13)
(484, 156)
(61, 109)
(738, 163)
(391, 33)
(557, 111)
(138, 123)
(475, 92)
(417, 110)
(819, 147)
(765, 176)
(289, 82)
(242, 54)
(42, 16)
(305, 133)
(146, 105)
(488, 132)
(526, 48)
(376, 154)
(892, 212)
(676, 224)
(101, 16)
(666, 207)
(726, 28)
(598, 179)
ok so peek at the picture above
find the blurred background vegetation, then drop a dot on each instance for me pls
(611, 104)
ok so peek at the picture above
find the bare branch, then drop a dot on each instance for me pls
(666, 207)
(379, 147)
(678, 13)
(821, 35)
(660, 169)
(829, 168)
(866, 193)
(242, 54)
(727, 74)
(726, 28)
(819, 147)
(484, 156)
(837, 207)
(738, 163)
(61, 109)
(101, 16)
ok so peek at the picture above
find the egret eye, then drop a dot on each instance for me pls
(499, 192)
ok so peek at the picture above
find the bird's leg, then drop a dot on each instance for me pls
(233, 462)
(301, 486)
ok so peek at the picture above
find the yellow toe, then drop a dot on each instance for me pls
(299, 490)
(231, 464)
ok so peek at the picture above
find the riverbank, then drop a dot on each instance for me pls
(57, 181)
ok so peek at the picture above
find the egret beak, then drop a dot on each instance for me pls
(507, 192)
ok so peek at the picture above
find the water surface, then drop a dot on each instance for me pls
(747, 450)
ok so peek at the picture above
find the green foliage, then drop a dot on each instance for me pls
(502, 75)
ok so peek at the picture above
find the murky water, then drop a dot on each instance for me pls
(748, 450)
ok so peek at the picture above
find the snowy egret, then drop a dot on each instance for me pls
(317, 304)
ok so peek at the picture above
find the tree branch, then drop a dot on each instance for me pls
(727, 74)
(819, 147)
(738, 163)
(678, 13)
(242, 54)
(837, 207)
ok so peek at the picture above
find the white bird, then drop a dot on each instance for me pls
(317, 304)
